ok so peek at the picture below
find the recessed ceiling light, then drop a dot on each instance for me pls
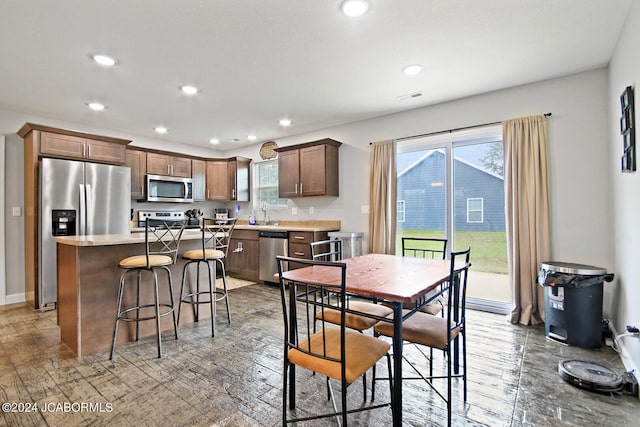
(354, 8)
(161, 129)
(105, 60)
(214, 141)
(252, 137)
(285, 122)
(189, 90)
(96, 106)
(412, 70)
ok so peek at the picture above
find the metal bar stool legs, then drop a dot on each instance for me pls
(224, 294)
(122, 314)
(193, 298)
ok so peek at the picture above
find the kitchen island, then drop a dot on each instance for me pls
(88, 277)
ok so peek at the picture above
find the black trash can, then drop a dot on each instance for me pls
(573, 302)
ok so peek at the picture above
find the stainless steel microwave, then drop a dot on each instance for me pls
(162, 188)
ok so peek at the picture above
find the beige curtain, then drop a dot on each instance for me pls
(527, 213)
(382, 198)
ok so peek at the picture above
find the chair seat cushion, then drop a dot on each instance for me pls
(138, 261)
(355, 321)
(196, 254)
(421, 328)
(362, 352)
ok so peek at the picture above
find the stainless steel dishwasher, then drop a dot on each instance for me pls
(272, 244)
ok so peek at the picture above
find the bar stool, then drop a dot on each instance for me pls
(216, 236)
(162, 239)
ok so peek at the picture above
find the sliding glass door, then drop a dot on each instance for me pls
(453, 187)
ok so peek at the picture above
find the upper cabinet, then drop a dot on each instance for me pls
(309, 169)
(199, 175)
(228, 179)
(164, 164)
(61, 143)
(137, 161)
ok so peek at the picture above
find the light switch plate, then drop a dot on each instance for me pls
(17, 211)
(294, 211)
(311, 210)
(364, 209)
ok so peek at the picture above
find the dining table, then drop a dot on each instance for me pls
(394, 280)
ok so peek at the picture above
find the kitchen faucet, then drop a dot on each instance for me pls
(264, 210)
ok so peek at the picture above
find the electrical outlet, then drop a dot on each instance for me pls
(17, 211)
(364, 209)
(294, 211)
(311, 210)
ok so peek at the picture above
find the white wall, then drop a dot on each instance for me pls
(624, 70)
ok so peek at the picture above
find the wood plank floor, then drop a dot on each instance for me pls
(235, 379)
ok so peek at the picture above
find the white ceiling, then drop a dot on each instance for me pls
(257, 61)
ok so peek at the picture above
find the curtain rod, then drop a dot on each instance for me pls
(404, 138)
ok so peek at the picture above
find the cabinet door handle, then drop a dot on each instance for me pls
(207, 193)
(168, 170)
(233, 194)
(171, 169)
(84, 146)
(299, 253)
(301, 188)
(298, 237)
(89, 151)
(296, 188)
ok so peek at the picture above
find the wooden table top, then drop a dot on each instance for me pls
(389, 277)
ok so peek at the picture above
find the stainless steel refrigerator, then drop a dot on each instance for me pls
(78, 198)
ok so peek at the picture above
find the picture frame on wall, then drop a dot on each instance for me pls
(626, 98)
(627, 129)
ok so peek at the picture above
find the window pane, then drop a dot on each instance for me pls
(267, 184)
(421, 179)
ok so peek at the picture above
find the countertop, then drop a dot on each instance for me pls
(291, 226)
(192, 234)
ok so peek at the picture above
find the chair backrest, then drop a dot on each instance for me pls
(326, 250)
(162, 237)
(216, 233)
(424, 247)
(302, 299)
(457, 287)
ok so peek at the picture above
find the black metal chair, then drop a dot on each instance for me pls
(162, 240)
(336, 352)
(361, 315)
(426, 247)
(440, 332)
(216, 236)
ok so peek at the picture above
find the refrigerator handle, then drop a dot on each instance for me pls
(89, 207)
(82, 217)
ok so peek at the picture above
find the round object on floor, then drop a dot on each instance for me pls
(590, 376)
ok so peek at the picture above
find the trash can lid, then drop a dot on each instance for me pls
(345, 234)
(572, 268)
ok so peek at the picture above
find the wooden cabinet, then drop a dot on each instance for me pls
(81, 148)
(164, 164)
(137, 161)
(300, 244)
(309, 169)
(229, 179)
(199, 175)
(243, 256)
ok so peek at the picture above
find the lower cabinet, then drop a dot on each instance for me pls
(300, 244)
(243, 255)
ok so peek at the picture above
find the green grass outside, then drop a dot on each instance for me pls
(488, 248)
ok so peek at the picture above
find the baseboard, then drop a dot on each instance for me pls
(627, 360)
(15, 298)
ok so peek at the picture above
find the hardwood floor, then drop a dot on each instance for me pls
(235, 379)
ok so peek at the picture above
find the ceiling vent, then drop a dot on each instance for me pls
(410, 96)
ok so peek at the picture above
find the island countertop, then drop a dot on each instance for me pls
(116, 239)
